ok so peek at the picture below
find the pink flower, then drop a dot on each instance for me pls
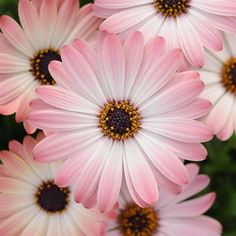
(121, 110)
(171, 216)
(31, 204)
(26, 52)
(219, 75)
(187, 24)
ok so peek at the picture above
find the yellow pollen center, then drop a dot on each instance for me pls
(228, 75)
(119, 120)
(172, 8)
(136, 221)
(39, 65)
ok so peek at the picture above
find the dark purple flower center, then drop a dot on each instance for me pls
(39, 65)
(172, 8)
(119, 120)
(136, 221)
(52, 198)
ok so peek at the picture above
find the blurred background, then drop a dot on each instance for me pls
(220, 165)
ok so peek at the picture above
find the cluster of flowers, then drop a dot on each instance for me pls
(125, 91)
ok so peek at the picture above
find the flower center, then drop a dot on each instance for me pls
(137, 221)
(39, 65)
(172, 8)
(228, 75)
(52, 198)
(119, 120)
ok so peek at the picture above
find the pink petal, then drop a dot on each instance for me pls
(35, 226)
(183, 130)
(12, 64)
(186, 89)
(47, 17)
(159, 74)
(59, 120)
(223, 23)
(216, 7)
(192, 151)
(10, 107)
(121, 3)
(164, 183)
(227, 131)
(193, 110)
(132, 191)
(29, 20)
(92, 201)
(15, 164)
(113, 61)
(12, 185)
(11, 203)
(16, 147)
(68, 173)
(62, 78)
(58, 146)
(66, 100)
(152, 26)
(190, 208)
(38, 104)
(89, 55)
(28, 127)
(28, 145)
(7, 48)
(11, 226)
(15, 35)
(220, 113)
(145, 184)
(13, 87)
(83, 74)
(133, 49)
(64, 22)
(86, 25)
(88, 179)
(189, 226)
(27, 95)
(163, 160)
(209, 36)
(190, 42)
(111, 178)
(103, 12)
(127, 18)
(196, 185)
(153, 50)
(88, 225)
(169, 31)
(209, 223)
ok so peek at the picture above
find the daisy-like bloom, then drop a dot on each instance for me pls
(26, 52)
(219, 75)
(121, 110)
(31, 203)
(171, 216)
(191, 25)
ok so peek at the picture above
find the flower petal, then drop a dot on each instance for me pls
(145, 185)
(16, 36)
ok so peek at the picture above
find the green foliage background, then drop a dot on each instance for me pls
(220, 165)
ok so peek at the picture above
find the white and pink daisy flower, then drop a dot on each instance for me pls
(171, 216)
(219, 75)
(26, 52)
(191, 25)
(31, 203)
(121, 112)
